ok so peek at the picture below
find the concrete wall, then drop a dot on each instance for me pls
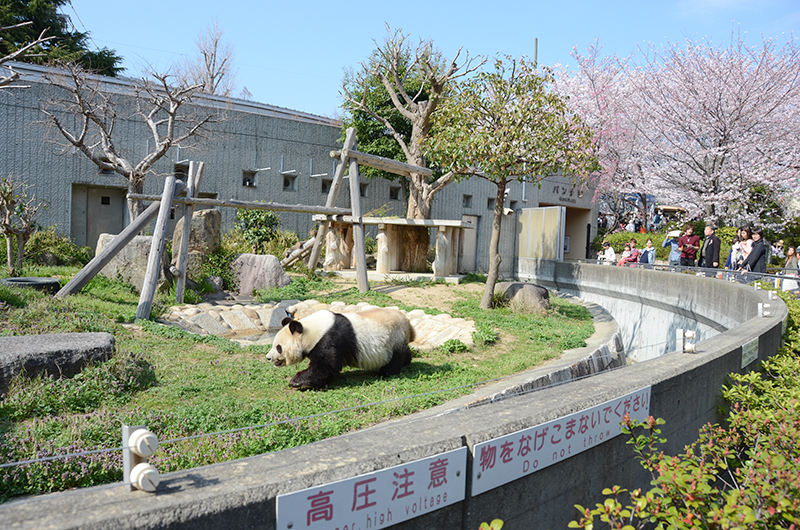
(648, 320)
(245, 134)
(684, 391)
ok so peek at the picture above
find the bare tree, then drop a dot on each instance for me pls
(160, 107)
(18, 212)
(416, 81)
(6, 78)
(212, 69)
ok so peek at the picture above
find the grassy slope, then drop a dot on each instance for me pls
(180, 385)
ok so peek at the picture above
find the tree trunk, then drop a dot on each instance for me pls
(22, 239)
(416, 240)
(494, 246)
(135, 186)
(10, 255)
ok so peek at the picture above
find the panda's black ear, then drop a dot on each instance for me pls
(295, 327)
(286, 321)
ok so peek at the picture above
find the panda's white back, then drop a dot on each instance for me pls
(378, 333)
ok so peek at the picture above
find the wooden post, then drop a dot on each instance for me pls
(383, 266)
(195, 177)
(156, 250)
(330, 202)
(358, 226)
(112, 249)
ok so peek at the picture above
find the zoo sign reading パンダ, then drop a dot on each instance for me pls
(502, 460)
(379, 499)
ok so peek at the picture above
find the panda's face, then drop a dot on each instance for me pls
(287, 348)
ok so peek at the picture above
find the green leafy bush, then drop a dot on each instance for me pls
(66, 252)
(258, 227)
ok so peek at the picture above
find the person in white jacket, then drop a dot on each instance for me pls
(607, 256)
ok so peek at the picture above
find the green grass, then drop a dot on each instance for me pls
(180, 384)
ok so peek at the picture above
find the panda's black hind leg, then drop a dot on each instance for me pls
(401, 357)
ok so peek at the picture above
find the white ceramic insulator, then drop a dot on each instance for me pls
(689, 347)
(691, 334)
(143, 443)
(145, 477)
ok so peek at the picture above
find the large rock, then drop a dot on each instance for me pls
(130, 264)
(524, 297)
(55, 354)
(256, 272)
(204, 239)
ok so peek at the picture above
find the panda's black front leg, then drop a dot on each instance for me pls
(311, 379)
(323, 367)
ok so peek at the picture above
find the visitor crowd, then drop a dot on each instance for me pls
(749, 252)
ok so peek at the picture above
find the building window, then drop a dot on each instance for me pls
(466, 201)
(513, 205)
(289, 183)
(394, 193)
(105, 201)
(249, 179)
(325, 187)
(363, 190)
(490, 204)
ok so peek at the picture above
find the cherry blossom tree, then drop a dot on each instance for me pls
(711, 128)
(600, 91)
(720, 122)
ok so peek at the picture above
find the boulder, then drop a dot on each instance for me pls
(130, 264)
(256, 272)
(524, 297)
(204, 239)
(55, 354)
(205, 232)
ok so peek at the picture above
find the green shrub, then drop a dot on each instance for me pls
(280, 242)
(258, 227)
(48, 240)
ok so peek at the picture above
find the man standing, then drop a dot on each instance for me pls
(709, 253)
(688, 245)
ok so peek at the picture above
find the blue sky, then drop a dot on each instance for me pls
(293, 53)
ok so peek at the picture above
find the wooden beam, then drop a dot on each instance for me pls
(156, 251)
(248, 205)
(195, 178)
(333, 195)
(385, 164)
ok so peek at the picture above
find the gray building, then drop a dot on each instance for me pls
(252, 152)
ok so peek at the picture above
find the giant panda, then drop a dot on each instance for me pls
(375, 339)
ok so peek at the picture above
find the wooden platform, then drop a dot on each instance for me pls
(339, 246)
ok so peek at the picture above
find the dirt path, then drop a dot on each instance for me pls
(439, 296)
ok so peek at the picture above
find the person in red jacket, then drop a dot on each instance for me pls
(688, 244)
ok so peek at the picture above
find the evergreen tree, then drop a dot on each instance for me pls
(67, 46)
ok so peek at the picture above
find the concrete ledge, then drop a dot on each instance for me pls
(242, 494)
(54, 354)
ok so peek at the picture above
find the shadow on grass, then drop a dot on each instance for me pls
(418, 370)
